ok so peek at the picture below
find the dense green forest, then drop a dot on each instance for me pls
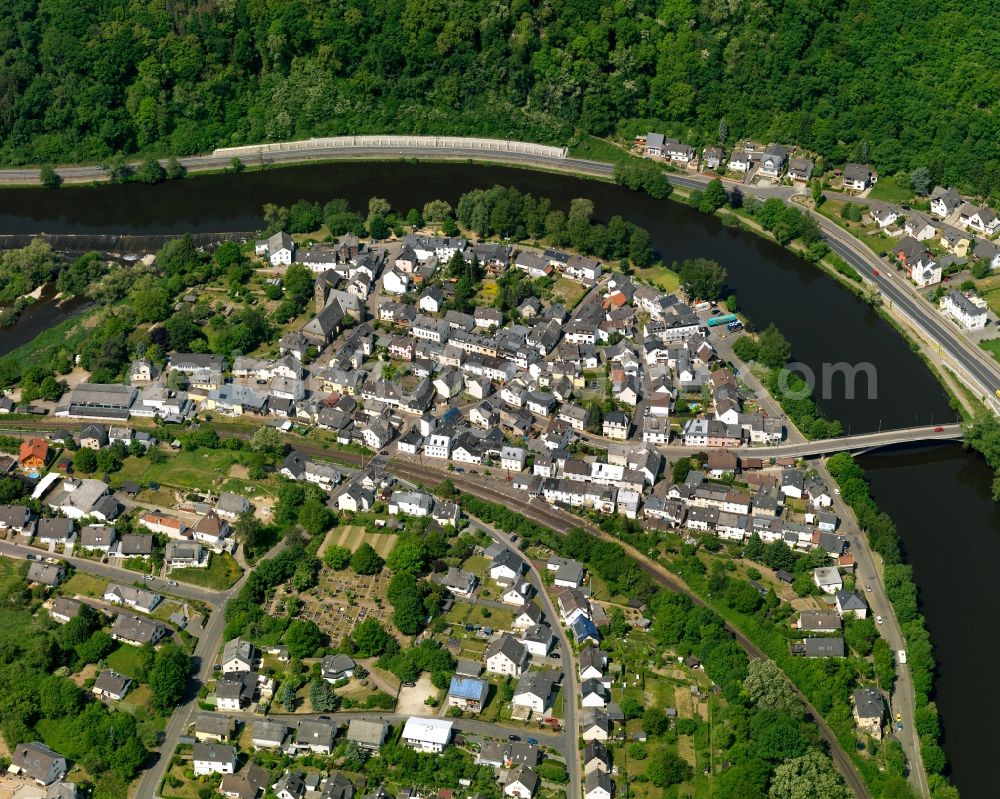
(854, 79)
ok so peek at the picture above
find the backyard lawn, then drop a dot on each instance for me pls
(84, 585)
(660, 276)
(125, 660)
(569, 291)
(187, 469)
(892, 189)
(222, 572)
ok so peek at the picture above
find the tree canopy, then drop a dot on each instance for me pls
(82, 82)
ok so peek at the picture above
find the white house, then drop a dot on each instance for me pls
(858, 177)
(512, 459)
(521, 783)
(395, 282)
(507, 567)
(279, 248)
(506, 655)
(982, 220)
(213, 758)
(944, 201)
(963, 310)
(534, 690)
(827, 579)
(925, 272)
(427, 735)
(597, 785)
(410, 503)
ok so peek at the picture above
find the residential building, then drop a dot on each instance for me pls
(213, 758)
(597, 785)
(506, 655)
(858, 177)
(869, 711)
(427, 735)
(369, 735)
(238, 655)
(534, 690)
(37, 761)
(963, 310)
(136, 631)
(111, 685)
(468, 693)
(521, 782)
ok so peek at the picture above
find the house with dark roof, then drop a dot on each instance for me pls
(506, 655)
(111, 685)
(38, 762)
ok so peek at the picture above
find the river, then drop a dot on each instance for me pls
(952, 539)
(824, 321)
(38, 317)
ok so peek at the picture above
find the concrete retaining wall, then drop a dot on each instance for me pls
(397, 142)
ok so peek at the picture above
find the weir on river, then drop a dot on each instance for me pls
(117, 243)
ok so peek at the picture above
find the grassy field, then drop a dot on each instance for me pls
(569, 291)
(598, 150)
(84, 585)
(196, 469)
(992, 346)
(892, 189)
(352, 536)
(125, 660)
(659, 276)
(222, 572)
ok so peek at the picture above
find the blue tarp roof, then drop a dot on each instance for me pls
(468, 688)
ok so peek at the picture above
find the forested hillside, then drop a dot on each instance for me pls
(903, 85)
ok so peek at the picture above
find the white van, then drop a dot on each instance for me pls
(901, 656)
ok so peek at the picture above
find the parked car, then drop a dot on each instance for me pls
(878, 619)
(513, 737)
(533, 741)
(938, 429)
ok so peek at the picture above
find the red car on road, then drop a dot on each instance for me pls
(875, 272)
(938, 429)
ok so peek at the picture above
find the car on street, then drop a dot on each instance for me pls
(878, 619)
(901, 656)
(409, 685)
(555, 655)
(514, 738)
(875, 272)
(147, 577)
(868, 587)
(899, 726)
(899, 717)
(533, 741)
(938, 429)
(30, 557)
(459, 469)
(836, 491)
(171, 583)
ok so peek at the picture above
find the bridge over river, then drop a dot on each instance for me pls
(864, 442)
